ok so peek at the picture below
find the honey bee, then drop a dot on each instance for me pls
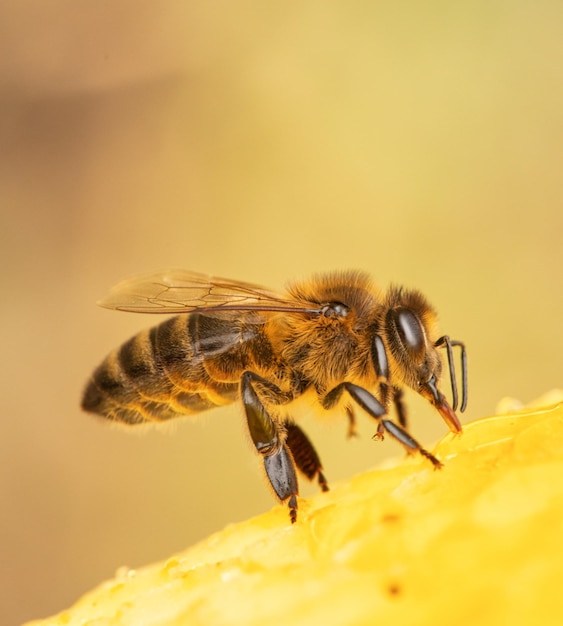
(336, 338)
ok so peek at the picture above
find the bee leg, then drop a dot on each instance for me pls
(379, 433)
(410, 443)
(267, 389)
(280, 471)
(267, 436)
(381, 367)
(352, 432)
(373, 407)
(304, 454)
(400, 407)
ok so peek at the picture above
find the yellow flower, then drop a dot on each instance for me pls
(477, 542)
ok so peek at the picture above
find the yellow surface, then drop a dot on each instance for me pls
(479, 542)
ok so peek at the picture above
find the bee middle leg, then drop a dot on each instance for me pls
(267, 436)
(352, 432)
(371, 405)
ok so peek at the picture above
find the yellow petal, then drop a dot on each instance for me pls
(478, 542)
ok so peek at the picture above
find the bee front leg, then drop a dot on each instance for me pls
(267, 436)
(371, 405)
(400, 407)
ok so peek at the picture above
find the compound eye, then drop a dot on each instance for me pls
(410, 331)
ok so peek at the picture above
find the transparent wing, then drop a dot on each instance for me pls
(182, 291)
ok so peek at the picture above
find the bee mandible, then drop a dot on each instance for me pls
(336, 338)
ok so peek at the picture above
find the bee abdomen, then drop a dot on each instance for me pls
(134, 383)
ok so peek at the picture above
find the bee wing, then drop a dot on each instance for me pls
(182, 291)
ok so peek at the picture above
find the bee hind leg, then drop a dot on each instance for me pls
(304, 454)
(280, 471)
(267, 436)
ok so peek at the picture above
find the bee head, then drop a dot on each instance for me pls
(410, 328)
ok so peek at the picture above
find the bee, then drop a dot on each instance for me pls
(336, 338)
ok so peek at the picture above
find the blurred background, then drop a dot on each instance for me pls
(422, 143)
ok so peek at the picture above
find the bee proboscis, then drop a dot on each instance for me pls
(336, 337)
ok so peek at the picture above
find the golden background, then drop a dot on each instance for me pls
(422, 143)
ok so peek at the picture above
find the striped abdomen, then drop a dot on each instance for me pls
(187, 364)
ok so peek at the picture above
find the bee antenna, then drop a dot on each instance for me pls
(463, 374)
(448, 343)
